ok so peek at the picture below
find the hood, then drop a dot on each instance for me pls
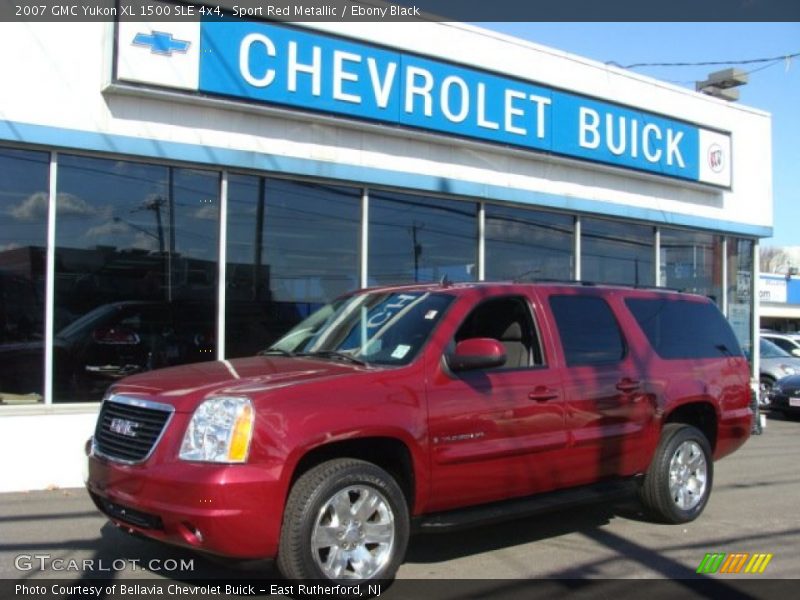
(772, 366)
(186, 386)
(791, 382)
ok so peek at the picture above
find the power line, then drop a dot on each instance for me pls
(748, 61)
(750, 72)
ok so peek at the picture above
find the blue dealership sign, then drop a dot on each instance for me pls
(297, 68)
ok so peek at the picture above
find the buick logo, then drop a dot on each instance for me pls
(716, 158)
(124, 427)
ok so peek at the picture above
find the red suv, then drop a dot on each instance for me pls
(425, 406)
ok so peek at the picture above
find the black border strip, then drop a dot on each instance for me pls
(451, 10)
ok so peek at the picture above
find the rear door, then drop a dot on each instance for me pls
(609, 411)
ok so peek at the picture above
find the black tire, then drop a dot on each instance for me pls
(304, 517)
(655, 491)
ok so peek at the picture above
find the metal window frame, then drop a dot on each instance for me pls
(576, 248)
(50, 278)
(222, 266)
(364, 248)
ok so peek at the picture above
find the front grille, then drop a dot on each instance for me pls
(128, 429)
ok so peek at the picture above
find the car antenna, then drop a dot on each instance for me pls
(445, 281)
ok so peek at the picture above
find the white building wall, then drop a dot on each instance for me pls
(43, 447)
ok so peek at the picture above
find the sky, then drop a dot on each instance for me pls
(773, 87)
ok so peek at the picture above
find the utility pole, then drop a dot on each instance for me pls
(417, 249)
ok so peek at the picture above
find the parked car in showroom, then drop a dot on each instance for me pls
(430, 406)
(119, 339)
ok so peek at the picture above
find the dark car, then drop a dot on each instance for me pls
(123, 338)
(785, 397)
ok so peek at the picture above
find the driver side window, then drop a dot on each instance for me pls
(507, 320)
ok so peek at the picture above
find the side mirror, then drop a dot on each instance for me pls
(477, 353)
(796, 352)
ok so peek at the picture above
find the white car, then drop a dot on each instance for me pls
(786, 341)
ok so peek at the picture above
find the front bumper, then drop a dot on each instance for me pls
(782, 403)
(229, 510)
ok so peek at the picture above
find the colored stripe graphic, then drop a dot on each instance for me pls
(758, 563)
(711, 562)
(735, 562)
(720, 562)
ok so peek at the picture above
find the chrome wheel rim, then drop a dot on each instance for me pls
(688, 475)
(765, 388)
(353, 534)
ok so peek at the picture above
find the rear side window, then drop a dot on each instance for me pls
(589, 332)
(683, 328)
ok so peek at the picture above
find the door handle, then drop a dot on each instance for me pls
(543, 394)
(628, 385)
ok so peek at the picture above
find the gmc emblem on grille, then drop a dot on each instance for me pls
(123, 427)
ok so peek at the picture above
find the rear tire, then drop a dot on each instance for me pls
(678, 483)
(344, 519)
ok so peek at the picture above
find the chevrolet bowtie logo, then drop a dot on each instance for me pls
(160, 42)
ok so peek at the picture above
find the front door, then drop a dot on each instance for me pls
(496, 433)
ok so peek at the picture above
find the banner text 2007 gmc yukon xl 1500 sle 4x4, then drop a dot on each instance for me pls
(427, 405)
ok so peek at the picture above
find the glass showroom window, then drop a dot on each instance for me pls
(527, 244)
(292, 247)
(691, 261)
(412, 238)
(740, 290)
(616, 252)
(23, 238)
(136, 264)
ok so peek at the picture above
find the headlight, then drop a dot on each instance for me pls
(220, 431)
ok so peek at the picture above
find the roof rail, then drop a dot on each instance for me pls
(529, 278)
(525, 278)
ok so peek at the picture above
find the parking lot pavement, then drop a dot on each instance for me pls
(753, 509)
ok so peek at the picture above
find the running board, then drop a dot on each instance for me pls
(523, 507)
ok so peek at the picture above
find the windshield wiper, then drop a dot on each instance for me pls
(335, 354)
(278, 351)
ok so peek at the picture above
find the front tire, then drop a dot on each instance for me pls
(765, 386)
(344, 519)
(678, 483)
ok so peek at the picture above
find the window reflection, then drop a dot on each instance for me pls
(135, 289)
(616, 252)
(419, 239)
(23, 237)
(527, 244)
(691, 261)
(740, 290)
(292, 247)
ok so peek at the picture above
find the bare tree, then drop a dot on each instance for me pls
(772, 259)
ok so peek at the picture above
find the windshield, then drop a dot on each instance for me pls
(383, 328)
(87, 321)
(770, 350)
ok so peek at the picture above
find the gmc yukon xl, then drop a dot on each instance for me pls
(425, 406)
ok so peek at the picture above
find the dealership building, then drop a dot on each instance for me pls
(188, 191)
